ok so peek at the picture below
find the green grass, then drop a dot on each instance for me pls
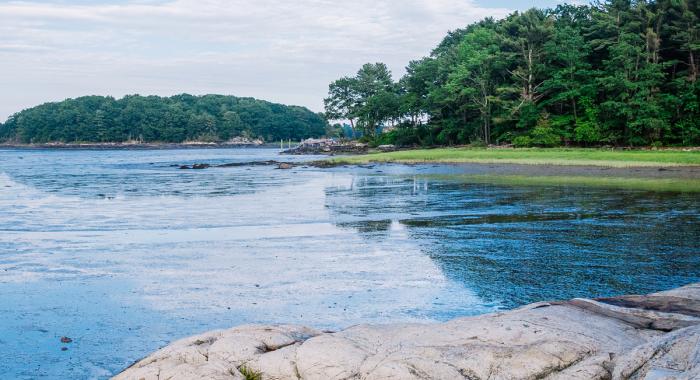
(576, 156)
(249, 374)
(647, 184)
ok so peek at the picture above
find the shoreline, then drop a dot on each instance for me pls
(533, 156)
(627, 337)
(130, 146)
(543, 170)
(682, 179)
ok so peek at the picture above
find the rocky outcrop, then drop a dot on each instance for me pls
(634, 337)
(328, 146)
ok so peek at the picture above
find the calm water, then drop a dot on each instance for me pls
(124, 252)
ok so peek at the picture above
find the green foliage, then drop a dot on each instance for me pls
(369, 98)
(210, 118)
(544, 135)
(249, 374)
(522, 142)
(618, 72)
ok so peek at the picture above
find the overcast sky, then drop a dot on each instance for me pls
(279, 50)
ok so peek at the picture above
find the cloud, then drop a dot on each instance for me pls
(273, 49)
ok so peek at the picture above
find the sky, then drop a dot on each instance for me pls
(278, 50)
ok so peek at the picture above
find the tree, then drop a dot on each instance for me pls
(379, 108)
(157, 119)
(618, 71)
(365, 98)
(415, 88)
(475, 79)
(526, 34)
(342, 100)
(569, 77)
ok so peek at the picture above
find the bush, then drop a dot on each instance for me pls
(522, 142)
(477, 142)
(544, 135)
(587, 132)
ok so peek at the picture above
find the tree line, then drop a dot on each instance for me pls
(616, 72)
(180, 118)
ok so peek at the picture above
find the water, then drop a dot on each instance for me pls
(123, 252)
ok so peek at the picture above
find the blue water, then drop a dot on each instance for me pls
(124, 252)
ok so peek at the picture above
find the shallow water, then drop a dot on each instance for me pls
(123, 252)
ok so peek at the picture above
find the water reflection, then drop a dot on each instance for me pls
(521, 245)
(124, 252)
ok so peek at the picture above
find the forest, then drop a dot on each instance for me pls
(614, 73)
(208, 118)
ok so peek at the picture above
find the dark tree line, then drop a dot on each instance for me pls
(160, 119)
(617, 72)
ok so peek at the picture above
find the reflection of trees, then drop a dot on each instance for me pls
(521, 245)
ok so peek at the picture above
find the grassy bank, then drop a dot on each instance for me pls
(577, 157)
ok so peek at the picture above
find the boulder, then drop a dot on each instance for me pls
(634, 337)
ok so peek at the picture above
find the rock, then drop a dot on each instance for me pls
(66, 339)
(328, 147)
(387, 148)
(244, 141)
(285, 166)
(633, 337)
(195, 167)
(249, 163)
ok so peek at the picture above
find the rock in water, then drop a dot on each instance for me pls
(195, 167)
(635, 337)
(285, 166)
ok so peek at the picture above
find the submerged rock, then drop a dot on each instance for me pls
(635, 337)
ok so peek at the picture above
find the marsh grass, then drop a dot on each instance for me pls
(574, 156)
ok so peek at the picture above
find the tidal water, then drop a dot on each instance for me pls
(123, 252)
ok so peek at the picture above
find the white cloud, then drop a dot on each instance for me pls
(272, 49)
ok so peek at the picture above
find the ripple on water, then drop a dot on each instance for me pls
(124, 252)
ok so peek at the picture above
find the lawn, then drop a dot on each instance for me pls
(574, 156)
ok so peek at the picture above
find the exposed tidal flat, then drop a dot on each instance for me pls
(123, 252)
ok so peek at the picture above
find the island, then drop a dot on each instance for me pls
(153, 120)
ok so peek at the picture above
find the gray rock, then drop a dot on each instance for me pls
(634, 337)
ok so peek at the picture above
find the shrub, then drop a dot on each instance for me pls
(544, 135)
(522, 142)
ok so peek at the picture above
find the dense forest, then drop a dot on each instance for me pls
(616, 72)
(211, 118)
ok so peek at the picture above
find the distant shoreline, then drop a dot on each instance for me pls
(139, 146)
